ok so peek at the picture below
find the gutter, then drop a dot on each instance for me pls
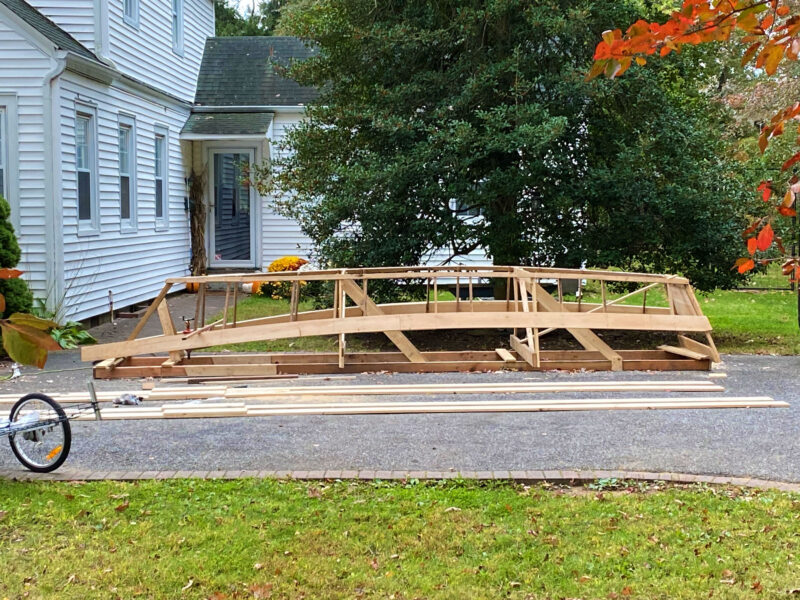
(107, 74)
(248, 109)
(53, 199)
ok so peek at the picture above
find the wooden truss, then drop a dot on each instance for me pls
(528, 310)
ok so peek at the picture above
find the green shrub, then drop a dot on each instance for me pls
(18, 296)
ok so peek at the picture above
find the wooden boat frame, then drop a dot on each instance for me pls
(528, 310)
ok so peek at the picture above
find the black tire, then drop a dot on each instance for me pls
(21, 447)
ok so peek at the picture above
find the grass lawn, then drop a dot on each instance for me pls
(744, 322)
(281, 539)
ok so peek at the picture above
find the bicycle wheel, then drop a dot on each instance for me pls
(40, 449)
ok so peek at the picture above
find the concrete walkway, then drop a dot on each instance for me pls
(756, 443)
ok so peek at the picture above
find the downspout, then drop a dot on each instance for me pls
(54, 269)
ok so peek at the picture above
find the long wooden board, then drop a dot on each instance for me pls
(395, 408)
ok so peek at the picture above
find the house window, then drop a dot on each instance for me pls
(127, 173)
(3, 153)
(130, 12)
(86, 168)
(177, 26)
(161, 178)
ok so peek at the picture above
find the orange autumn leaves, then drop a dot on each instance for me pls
(771, 28)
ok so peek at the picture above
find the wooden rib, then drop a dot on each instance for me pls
(295, 301)
(235, 302)
(150, 310)
(175, 356)
(225, 309)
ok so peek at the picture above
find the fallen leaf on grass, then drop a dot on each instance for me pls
(452, 509)
(123, 506)
(627, 591)
(261, 591)
(188, 585)
(314, 492)
(218, 596)
(258, 566)
(374, 564)
(3, 514)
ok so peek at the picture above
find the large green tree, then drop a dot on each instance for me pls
(483, 106)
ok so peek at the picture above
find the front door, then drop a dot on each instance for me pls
(232, 218)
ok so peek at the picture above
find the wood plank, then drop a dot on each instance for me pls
(690, 344)
(684, 352)
(398, 338)
(524, 351)
(420, 272)
(400, 322)
(505, 355)
(168, 327)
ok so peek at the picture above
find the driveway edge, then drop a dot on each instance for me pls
(569, 477)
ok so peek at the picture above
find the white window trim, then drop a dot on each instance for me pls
(132, 20)
(162, 223)
(90, 226)
(8, 108)
(129, 225)
(177, 36)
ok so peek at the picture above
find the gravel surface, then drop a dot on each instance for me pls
(757, 443)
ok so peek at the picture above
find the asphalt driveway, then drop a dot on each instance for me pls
(761, 443)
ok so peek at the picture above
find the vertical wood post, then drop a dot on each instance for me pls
(235, 302)
(225, 310)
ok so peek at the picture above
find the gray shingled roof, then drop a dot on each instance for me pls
(60, 38)
(227, 123)
(239, 71)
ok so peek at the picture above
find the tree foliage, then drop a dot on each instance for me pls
(483, 106)
(17, 297)
(769, 31)
(261, 20)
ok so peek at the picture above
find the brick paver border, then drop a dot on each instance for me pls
(569, 477)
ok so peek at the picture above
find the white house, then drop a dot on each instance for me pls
(106, 106)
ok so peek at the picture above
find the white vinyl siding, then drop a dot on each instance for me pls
(280, 236)
(177, 26)
(76, 17)
(3, 153)
(134, 270)
(127, 173)
(22, 76)
(86, 168)
(130, 12)
(161, 170)
(149, 54)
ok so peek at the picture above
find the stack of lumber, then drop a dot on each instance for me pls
(227, 401)
(224, 391)
(242, 409)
